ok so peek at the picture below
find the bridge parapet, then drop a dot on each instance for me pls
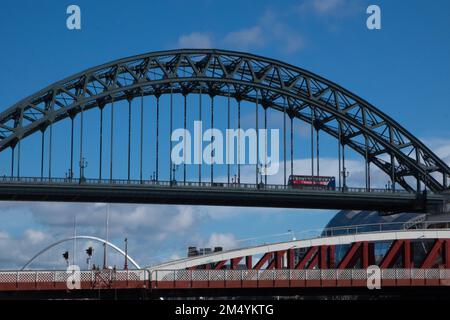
(57, 280)
(288, 278)
(29, 281)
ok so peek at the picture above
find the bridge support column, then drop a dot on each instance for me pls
(184, 137)
(257, 135)
(344, 169)
(100, 160)
(323, 258)
(249, 262)
(339, 153)
(212, 139)
(157, 140)
(367, 254)
(12, 161)
(239, 139)
(111, 143)
(331, 257)
(446, 254)
(284, 141)
(265, 144)
(50, 149)
(291, 259)
(200, 138)
(317, 152)
(171, 177)
(407, 263)
(312, 140)
(292, 144)
(141, 139)
(42, 152)
(278, 259)
(228, 142)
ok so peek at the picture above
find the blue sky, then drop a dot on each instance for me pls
(404, 69)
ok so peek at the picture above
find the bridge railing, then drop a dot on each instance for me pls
(191, 184)
(191, 276)
(416, 224)
(58, 279)
(373, 227)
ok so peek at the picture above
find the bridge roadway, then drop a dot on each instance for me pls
(220, 194)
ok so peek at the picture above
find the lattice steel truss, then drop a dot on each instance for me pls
(286, 88)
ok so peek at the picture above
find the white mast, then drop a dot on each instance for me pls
(74, 239)
(107, 234)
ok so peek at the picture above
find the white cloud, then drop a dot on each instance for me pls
(324, 6)
(440, 146)
(335, 8)
(270, 30)
(16, 250)
(195, 40)
(245, 39)
(225, 240)
(35, 236)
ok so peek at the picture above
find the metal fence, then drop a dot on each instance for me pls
(63, 276)
(286, 274)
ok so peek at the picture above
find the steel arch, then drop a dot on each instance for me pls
(83, 238)
(275, 84)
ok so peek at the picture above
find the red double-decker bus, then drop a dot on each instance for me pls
(314, 182)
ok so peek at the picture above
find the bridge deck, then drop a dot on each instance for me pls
(221, 194)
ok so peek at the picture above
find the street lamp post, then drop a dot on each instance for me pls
(83, 165)
(66, 257)
(292, 234)
(89, 252)
(174, 169)
(345, 175)
(125, 267)
(260, 173)
(234, 180)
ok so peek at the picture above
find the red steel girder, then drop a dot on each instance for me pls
(302, 263)
(430, 259)
(351, 256)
